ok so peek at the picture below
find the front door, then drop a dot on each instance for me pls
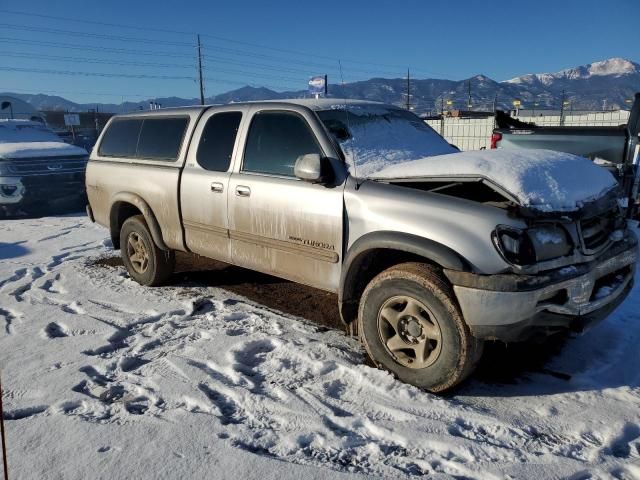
(279, 224)
(205, 183)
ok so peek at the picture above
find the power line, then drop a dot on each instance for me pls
(133, 76)
(216, 37)
(75, 46)
(133, 63)
(57, 31)
(94, 74)
(92, 60)
(104, 36)
(65, 92)
(326, 67)
(231, 51)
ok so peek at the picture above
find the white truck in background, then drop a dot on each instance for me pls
(37, 167)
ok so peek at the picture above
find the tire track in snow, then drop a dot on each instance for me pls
(277, 387)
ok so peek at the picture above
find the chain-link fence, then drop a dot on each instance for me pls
(475, 133)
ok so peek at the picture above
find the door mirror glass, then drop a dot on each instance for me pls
(313, 168)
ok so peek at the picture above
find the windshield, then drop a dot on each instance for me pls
(15, 131)
(373, 137)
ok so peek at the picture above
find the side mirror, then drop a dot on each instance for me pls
(313, 168)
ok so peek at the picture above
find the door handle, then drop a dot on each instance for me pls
(217, 187)
(243, 191)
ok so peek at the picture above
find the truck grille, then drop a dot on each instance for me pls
(595, 231)
(46, 166)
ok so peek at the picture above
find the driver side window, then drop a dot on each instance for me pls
(275, 141)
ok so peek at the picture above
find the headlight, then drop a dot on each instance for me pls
(514, 245)
(528, 246)
(550, 241)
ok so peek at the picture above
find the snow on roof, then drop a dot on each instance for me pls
(327, 103)
(542, 180)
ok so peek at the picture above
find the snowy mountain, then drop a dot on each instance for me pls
(612, 67)
(610, 82)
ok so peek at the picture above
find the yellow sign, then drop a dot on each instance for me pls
(516, 103)
(449, 102)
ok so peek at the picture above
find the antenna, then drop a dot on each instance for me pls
(346, 114)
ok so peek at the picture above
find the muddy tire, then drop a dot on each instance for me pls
(410, 325)
(145, 262)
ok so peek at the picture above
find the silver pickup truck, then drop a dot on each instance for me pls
(431, 251)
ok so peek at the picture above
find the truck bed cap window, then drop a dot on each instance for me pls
(149, 138)
(161, 138)
(121, 138)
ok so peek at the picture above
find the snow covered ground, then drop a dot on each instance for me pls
(104, 378)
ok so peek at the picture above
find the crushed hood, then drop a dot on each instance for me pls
(18, 150)
(541, 180)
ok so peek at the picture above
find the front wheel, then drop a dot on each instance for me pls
(145, 262)
(410, 325)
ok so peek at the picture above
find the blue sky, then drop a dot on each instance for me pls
(280, 44)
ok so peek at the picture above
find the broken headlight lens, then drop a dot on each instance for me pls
(528, 246)
(514, 245)
(550, 241)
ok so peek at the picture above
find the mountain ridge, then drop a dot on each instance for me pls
(607, 83)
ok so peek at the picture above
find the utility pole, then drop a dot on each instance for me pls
(408, 90)
(495, 105)
(562, 109)
(442, 115)
(200, 71)
(469, 98)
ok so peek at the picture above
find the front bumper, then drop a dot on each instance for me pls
(513, 307)
(40, 189)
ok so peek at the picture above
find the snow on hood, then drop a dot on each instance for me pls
(26, 139)
(39, 149)
(542, 180)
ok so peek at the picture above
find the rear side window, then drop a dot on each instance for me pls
(121, 138)
(161, 138)
(150, 138)
(217, 141)
(275, 141)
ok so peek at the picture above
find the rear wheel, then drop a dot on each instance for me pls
(145, 262)
(410, 325)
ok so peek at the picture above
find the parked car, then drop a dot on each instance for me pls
(430, 251)
(37, 167)
(615, 148)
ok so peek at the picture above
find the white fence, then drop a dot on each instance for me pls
(465, 133)
(475, 133)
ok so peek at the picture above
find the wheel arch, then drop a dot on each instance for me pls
(374, 252)
(125, 205)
